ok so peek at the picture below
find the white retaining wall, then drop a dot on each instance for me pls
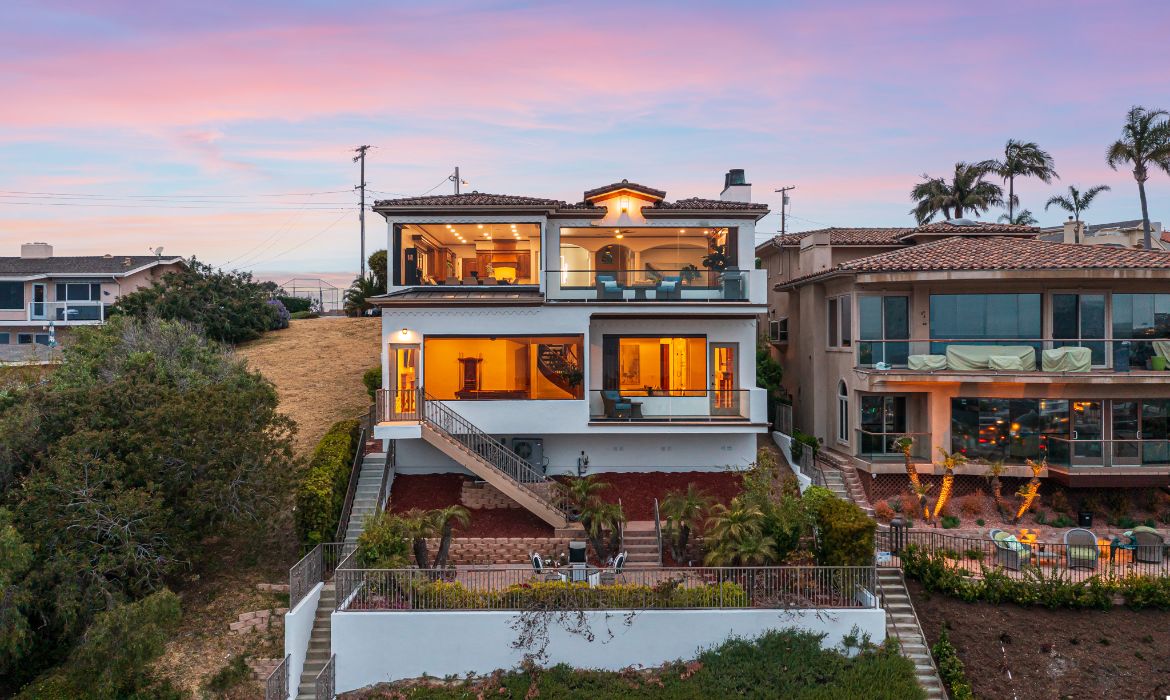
(298, 627)
(784, 442)
(377, 647)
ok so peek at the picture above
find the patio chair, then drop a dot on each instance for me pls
(542, 573)
(608, 288)
(609, 578)
(1080, 549)
(1010, 553)
(537, 563)
(616, 406)
(1150, 545)
(668, 287)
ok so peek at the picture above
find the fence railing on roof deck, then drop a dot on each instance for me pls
(1105, 354)
(1113, 557)
(521, 588)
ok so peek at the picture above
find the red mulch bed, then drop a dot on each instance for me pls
(1015, 652)
(427, 491)
(637, 490)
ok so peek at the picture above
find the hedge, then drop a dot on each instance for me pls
(295, 304)
(846, 534)
(321, 494)
(951, 669)
(372, 378)
(555, 595)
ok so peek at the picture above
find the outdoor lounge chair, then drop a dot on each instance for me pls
(610, 577)
(669, 287)
(1150, 545)
(1009, 552)
(1080, 549)
(616, 405)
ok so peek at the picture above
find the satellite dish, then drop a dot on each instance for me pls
(157, 251)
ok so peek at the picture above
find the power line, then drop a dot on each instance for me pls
(304, 242)
(322, 206)
(283, 229)
(171, 196)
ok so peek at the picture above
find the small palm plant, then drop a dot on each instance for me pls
(602, 520)
(443, 520)
(995, 470)
(735, 531)
(683, 510)
(1022, 218)
(417, 526)
(1076, 202)
(357, 296)
(1145, 141)
(1029, 492)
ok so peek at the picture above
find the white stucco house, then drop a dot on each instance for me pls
(537, 335)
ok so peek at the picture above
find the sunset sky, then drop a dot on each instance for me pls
(225, 130)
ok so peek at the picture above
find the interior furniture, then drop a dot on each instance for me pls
(1010, 553)
(608, 288)
(669, 287)
(618, 406)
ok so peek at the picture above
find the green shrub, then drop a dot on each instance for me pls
(321, 494)
(980, 522)
(801, 440)
(302, 315)
(1062, 521)
(846, 534)
(295, 304)
(384, 542)
(373, 381)
(950, 522)
(950, 668)
(232, 674)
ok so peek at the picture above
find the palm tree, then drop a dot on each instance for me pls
(1021, 159)
(603, 522)
(1075, 203)
(418, 525)
(731, 529)
(1145, 141)
(1024, 218)
(967, 191)
(443, 520)
(358, 294)
(684, 510)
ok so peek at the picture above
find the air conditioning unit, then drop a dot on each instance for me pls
(778, 331)
(531, 450)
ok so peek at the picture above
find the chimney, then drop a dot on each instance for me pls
(736, 188)
(1070, 230)
(36, 251)
(816, 253)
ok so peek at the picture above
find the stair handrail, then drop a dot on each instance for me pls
(658, 530)
(450, 423)
(354, 474)
(325, 684)
(387, 475)
(621, 529)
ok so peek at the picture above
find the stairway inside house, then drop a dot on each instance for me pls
(640, 543)
(365, 500)
(492, 461)
(560, 365)
(319, 644)
(902, 625)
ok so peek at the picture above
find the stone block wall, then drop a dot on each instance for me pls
(483, 495)
(501, 550)
(257, 621)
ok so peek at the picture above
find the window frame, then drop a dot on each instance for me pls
(581, 390)
(842, 412)
(839, 321)
(884, 341)
(23, 302)
(611, 377)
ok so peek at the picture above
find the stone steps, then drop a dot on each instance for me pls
(902, 625)
(320, 640)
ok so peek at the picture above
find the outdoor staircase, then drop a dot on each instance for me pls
(365, 501)
(319, 643)
(841, 468)
(902, 625)
(640, 543)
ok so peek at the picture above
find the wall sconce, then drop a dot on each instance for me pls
(405, 332)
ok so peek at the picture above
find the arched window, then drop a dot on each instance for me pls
(842, 412)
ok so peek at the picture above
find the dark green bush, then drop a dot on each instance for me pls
(321, 494)
(302, 315)
(950, 668)
(373, 381)
(950, 522)
(384, 543)
(295, 304)
(846, 534)
(232, 674)
(801, 440)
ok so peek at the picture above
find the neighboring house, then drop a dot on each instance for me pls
(958, 334)
(621, 329)
(1120, 234)
(42, 294)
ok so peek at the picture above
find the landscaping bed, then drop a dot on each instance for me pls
(1015, 652)
(637, 490)
(431, 491)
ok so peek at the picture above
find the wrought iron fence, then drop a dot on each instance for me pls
(521, 588)
(784, 418)
(658, 530)
(351, 490)
(1113, 557)
(810, 467)
(313, 568)
(326, 682)
(276, 685)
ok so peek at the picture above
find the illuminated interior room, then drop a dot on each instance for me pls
(503, 368)
(645, 256)
(467, 254)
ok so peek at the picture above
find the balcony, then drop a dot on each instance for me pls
(67, 312)
(657, 406)
(1085, 361)
(657, 285)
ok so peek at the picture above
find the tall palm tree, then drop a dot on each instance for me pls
(1021, 159)
(357, 296)
(1075, 203)
(1023, 218)
(967, 191)
(1145, 141)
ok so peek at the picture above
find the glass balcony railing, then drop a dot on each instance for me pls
(67, 311)
(668, 405)
(629, 285)
(1088, 452)
(877, 446)
(1015, 354)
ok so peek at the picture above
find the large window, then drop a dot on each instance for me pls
(12, 295)
(1079, 320)
(883, 423)
(467, 254)
(994, 319)
(1009, 430)
(644, 256)
(1141, 319)
(503, 368)
(840, 321)
(79, 291)
(884, 319)
(672, 366)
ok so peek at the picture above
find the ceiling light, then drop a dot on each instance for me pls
(682, 230)
(479, 225)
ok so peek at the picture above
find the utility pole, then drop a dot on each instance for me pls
(361, 158)
(784, 203)
(455, 178)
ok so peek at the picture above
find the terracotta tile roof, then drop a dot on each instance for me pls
(851, 236)
(586, 206)
(624, 185)
(471, 199)
(698, 203)
(974, 227)
(1007, 253)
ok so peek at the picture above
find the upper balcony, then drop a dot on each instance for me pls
(657, 285)
(57, 312)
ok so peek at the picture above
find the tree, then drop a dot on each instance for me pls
(735, 534)
(418, 525)
(769, 373)
(230, 307)
(444, 520)
(1145, 141)
(683, 510)
(602, 520)
(950, 462)
(357, 296)
(1023, 218)
(967, 191)
(1075, 203)
(1021, 159)
(377, 263)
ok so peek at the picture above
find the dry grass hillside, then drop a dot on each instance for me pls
(317, 365)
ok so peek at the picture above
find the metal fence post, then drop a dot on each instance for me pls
(897, 535)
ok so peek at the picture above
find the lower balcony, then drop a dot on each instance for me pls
(679, 405)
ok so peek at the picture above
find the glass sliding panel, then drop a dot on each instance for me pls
(985, 319)
(653, 366)
(1140, 318)
(897, 327)
(965, 428)
(1088, 430)
(1055, 430)
(503, 368)
(870, 328)
(1126, 431)
(1156, 431)
(724, 394)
